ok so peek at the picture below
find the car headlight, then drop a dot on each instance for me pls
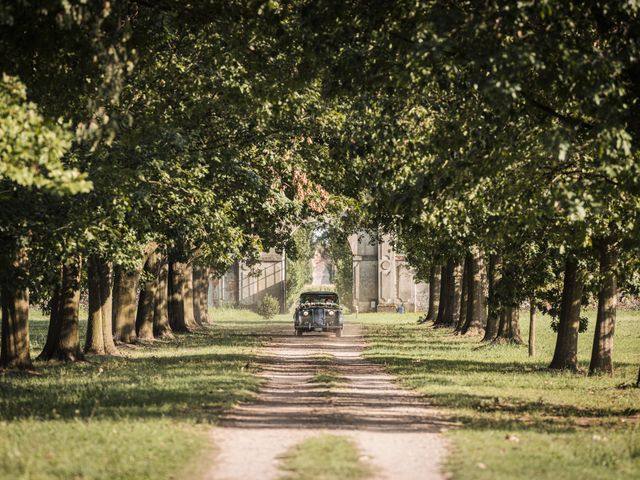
(305, 313)
(331, 312)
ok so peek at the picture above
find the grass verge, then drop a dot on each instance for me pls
(518, 419)
(139, 416)
(326, 457)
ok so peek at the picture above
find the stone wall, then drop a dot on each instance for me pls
(246, 287)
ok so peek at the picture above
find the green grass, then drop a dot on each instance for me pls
(326, 457)
(518, 419)
(326, 375)
(135, 417)
(327, 378)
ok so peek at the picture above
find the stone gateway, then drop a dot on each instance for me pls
(383, 281)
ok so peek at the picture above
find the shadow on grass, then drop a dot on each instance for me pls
(437, 366)
(496, 389)
(194, 377)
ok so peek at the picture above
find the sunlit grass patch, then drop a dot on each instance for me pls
(517, 416)
(134, 416)
(326, 457)
(327, 378)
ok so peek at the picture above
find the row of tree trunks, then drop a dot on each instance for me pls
(63, 338)
(175, 294)
(99, 339)
(434, 293)
(14, 344)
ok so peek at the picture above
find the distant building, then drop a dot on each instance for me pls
(242, 286)
(382, 279)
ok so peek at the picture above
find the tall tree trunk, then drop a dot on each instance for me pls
(602, 352)
(146, 305)
(493, 317)
(565, 356)
(181, 298)
(443, 296)
(434, 293)
(95, 341)
(53, 332)
(200, 294)
(14, 344)
(464, 295)
(99, 327)
(532, 328)
(453, 292)
(14, 348)
(125, 299)
(161, 327)
(66, 341)
(476, 305)
(188, 297)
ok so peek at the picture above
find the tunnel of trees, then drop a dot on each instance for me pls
(144, 145)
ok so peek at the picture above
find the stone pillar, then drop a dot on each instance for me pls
(386, 276)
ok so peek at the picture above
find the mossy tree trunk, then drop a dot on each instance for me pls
(602, 352)
(434, 293)
(494, 275)
(65, 342)
(565, 356)
(464, 297)
(99, 327)
(476, 305)
(14, 344)
(125, 299)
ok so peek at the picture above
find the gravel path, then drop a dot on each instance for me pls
(397, 433)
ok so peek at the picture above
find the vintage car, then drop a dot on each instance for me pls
(318, 312)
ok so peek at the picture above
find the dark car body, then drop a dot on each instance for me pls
(318, 312)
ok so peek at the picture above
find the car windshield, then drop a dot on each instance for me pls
(326, 298)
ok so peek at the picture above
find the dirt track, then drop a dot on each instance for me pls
(397, 433)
